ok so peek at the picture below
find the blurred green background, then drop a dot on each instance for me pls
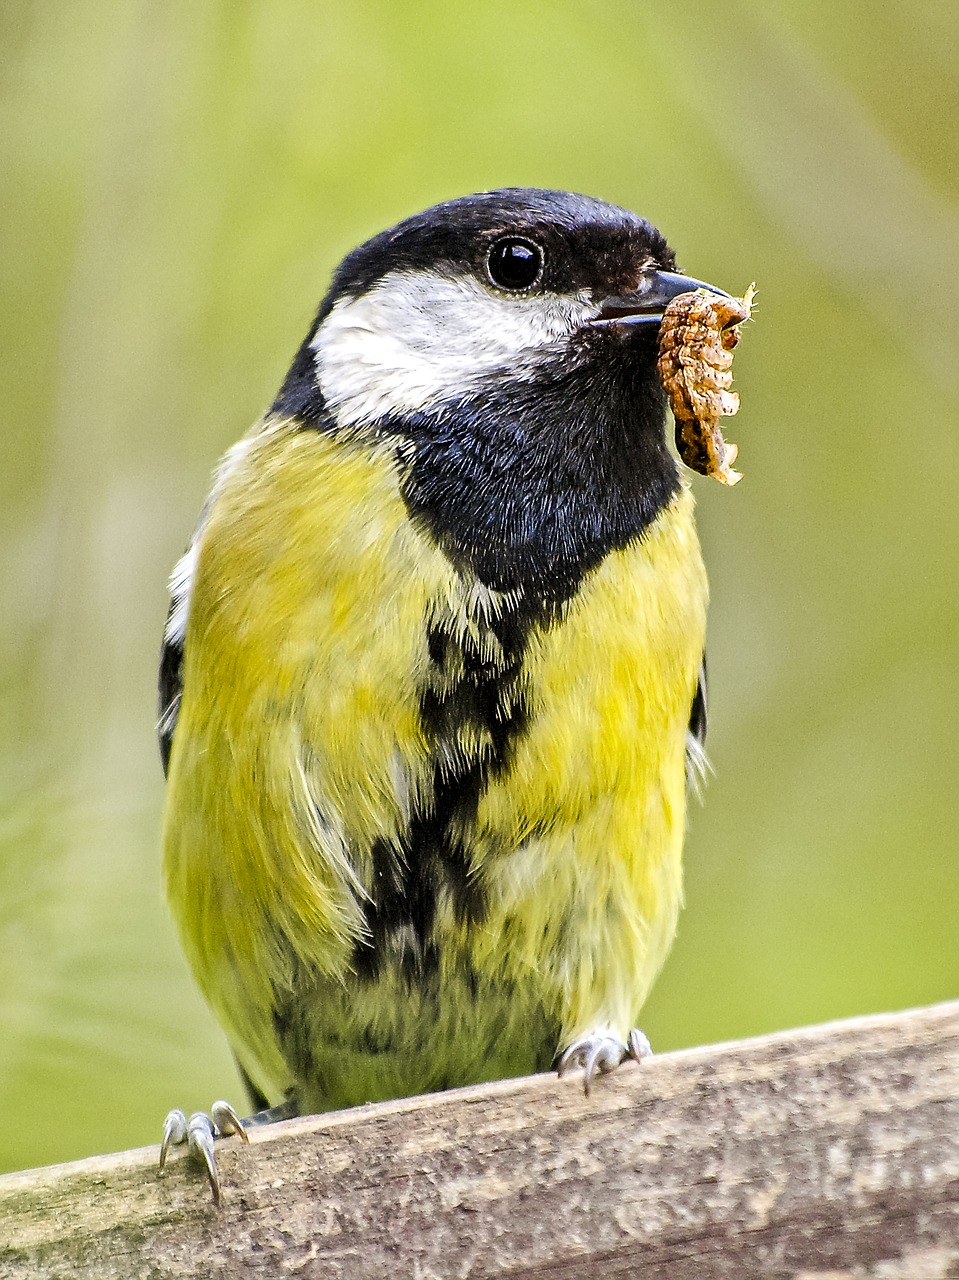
(178, 182)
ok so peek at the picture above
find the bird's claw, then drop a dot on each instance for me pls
(199, 1133)
(599, 1053)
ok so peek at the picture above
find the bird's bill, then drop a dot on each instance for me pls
(648, 303)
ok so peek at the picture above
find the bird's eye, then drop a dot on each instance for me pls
(514, 264)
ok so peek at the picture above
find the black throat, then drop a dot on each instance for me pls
(530, 483)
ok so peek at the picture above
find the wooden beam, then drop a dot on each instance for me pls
(824, 1153)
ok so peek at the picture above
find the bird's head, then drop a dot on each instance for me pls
(507, 342)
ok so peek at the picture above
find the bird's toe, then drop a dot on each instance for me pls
(600, 1052)
(199, 1133)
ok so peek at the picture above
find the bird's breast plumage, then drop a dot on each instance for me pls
(397, 793)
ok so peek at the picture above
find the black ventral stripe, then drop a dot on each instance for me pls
(485, 699)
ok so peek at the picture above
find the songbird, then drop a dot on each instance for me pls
(432, 680)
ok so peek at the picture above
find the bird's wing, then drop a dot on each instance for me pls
(170, 676)
(170, 685)
(697, 762)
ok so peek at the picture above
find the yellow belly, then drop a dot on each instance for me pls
(299, 745)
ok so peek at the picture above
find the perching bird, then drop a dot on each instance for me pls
(432, 678)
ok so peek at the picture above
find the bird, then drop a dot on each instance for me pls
(432, 684)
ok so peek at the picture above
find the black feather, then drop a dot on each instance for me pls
(170, 682)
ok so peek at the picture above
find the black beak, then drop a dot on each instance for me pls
(648, 303)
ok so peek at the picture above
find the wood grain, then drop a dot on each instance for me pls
(819, 1154)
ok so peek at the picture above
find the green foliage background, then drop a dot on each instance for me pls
(178, 182)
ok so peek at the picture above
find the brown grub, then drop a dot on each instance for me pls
(696, 341)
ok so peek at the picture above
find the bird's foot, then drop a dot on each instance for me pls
(598, 1053)
(199, 1133)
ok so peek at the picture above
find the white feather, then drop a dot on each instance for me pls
(324, 829)
(181, 579)
(181, 583)
(698, 765)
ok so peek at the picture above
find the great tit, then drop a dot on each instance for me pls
(432, 680)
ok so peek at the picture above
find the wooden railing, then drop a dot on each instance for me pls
(827, 1152)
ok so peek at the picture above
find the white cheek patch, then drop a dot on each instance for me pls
(418, 338)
